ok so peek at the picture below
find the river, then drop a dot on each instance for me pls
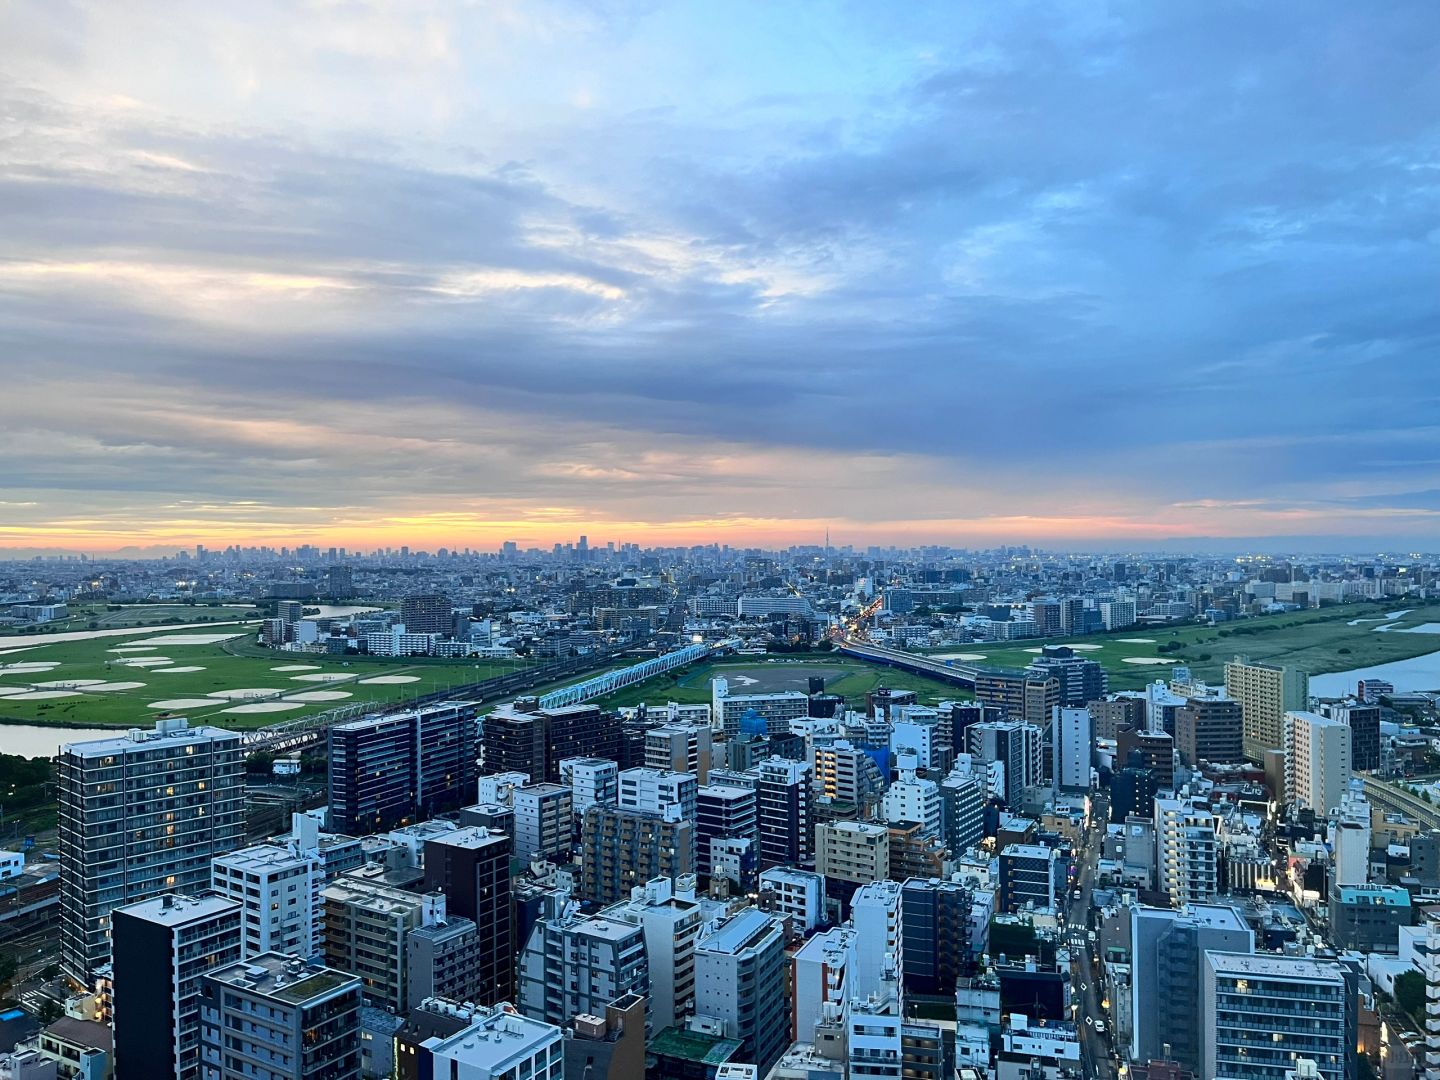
(36, 740)
(1419, 673)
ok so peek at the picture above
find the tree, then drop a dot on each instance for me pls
(1410, 994)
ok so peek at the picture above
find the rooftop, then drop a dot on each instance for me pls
(738, 932)
(694, 1046)
(1271, 965)
(284, 978)
(171, 732)
(173, 909)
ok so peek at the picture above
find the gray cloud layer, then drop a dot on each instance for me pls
(1166, 266)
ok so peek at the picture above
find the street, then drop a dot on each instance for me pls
(1099, 1064)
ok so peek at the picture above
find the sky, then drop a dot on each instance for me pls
(972, 273)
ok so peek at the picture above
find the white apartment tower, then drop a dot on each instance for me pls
(1186, 851)
(1317, 761)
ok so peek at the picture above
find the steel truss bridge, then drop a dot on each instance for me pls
(611, 681)
(290, 735)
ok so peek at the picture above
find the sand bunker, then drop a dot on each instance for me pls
(179, 669)
(960, 656)
(1082, 647)
(182, 703)
(42, 695)
(144, 661)
(1037, 649)
(192, 639)
(29, 667)
(265, 706)
(321, 695)
(389, 680)
(68, 684)
(322, 676)
(6, 691)
(1148, 660)
(1137, 640)
(297, 667)
(246, 692)
(106, 687)
(133, 648)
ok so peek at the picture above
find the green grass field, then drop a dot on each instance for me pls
(219, 670)
(101, 617)
(1317, 642)
(850, 678)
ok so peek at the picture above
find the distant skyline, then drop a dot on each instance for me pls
(996, 273)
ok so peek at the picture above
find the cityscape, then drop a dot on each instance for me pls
(604, 810)
(664, 540)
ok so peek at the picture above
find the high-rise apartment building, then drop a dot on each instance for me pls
(1260, 1013)
(141, 814)
(397, 769)
(783, 795)
(472, 868)
(427, 613)
(572, 964)
(776, 710)
(278, 1017)
(679, 749)
(1072, 744)
(1031, 876)
(962, 800)
(723, 812)
(740, 980)
(1187, 851)
(846, 774)
(544, 822)
(1080, 680)
(1014, 745)
(1167, 949)
(1364, 724)
(671, 919)
(934, 935)
(278, 889)
(366, 923)
(854, 852)
(162, 948)
(1317, 761)
(622, 849)
(914, 798)
(522, 737)
(1265, 693)
(442, 956)
(876, 917)
(1210, 729)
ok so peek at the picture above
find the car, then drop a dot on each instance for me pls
(1099, 1027)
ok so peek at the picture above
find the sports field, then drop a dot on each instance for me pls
(851, 678)
(1325, 640)
(128, 680)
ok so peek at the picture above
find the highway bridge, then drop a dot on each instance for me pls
(959, 674)
(1391, 798)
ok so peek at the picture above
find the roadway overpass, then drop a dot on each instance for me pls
(959, 674)
(1391, 798)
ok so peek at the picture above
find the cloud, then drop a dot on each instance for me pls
(1128, 272)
